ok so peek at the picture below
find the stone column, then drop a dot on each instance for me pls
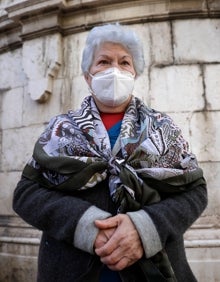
(40, 50)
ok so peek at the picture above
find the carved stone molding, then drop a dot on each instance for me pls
(41, 62)
(15, 235)
(28, 19)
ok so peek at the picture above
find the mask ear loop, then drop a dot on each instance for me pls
(90, 90)
(89, 87)
(91, 75)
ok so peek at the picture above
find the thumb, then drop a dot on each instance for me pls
(110, 222)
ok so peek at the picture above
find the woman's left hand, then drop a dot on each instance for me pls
(124, 247)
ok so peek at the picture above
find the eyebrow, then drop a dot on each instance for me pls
(127, 56)
(108, 57)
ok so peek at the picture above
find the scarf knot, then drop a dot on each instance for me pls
(114, 165)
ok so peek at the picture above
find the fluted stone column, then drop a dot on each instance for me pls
(41, 44)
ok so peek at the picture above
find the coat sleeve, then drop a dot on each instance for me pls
(168, 219)
(62, 216)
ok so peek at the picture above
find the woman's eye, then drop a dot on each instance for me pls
(126, 63)
(103, 62)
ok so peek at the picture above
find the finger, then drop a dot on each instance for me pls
(100, 240)
(108, 248)
(106, 223)
(113, 258)
(132, 254)
(121, 264)
(103, 237)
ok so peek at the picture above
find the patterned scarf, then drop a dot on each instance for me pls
(150, 156)
(149, 149)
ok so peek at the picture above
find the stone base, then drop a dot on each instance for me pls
(18, 268)
(202, 243)
(19, 245)
(205, 263)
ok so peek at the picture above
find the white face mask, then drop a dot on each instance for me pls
(112, 87)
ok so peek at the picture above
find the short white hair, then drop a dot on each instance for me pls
(114, 33)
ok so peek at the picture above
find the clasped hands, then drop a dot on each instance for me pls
(118, 243)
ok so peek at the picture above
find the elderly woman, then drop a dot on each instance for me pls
(113, 185)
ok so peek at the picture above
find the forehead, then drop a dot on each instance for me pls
(111, 49)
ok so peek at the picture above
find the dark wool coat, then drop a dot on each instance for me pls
(57, 215)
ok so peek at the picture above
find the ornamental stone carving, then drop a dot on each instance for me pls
(41, 59)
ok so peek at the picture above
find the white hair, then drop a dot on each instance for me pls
(114, 33)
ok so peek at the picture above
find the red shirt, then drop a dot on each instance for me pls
(110, 119)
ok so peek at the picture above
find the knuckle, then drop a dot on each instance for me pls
(110, 260)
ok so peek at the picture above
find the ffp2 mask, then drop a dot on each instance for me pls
(112, 87)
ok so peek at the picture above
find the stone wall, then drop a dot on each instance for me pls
(41, 44)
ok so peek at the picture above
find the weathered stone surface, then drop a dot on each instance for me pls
(11, 116)
(141, 87)
(204, 262)
(18, 268)
(196, 40)
(213, 5)
(206, 135)
(8, 182)
(17, 147)
(211, 172)
(79, 90)
(12, 75)
(202, 249)
(161, 43)
(176, 88)
(41, 113)
(72, 51)
(212, 86)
